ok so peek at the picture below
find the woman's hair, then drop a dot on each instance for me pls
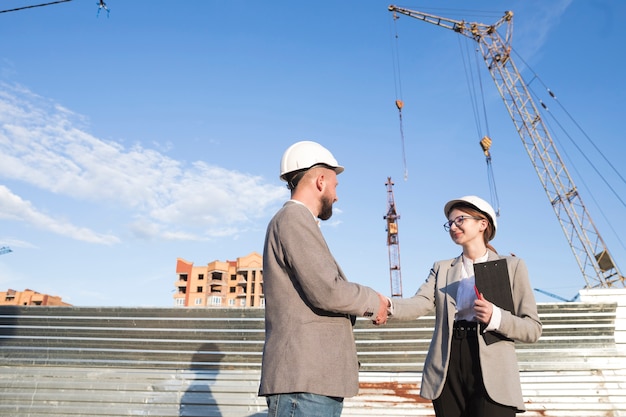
(473, 211)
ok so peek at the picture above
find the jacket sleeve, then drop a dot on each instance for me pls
(523, 324)
(318, 276)
(423, 302)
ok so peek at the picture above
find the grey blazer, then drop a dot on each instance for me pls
(310, 308)
(498, 360)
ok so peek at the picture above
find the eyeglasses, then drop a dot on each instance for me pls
(458, 221)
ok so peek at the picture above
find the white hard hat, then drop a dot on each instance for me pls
(303, 155)
(478, 203)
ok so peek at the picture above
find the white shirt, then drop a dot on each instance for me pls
(466, 295)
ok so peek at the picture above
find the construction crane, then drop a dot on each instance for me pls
(393, 243)
(558, 297)
(593, 257)
(5, 249)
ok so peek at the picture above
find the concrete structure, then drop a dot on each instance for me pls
(29, 298)
(220, 284)
(96, 362)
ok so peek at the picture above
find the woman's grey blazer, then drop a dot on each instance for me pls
(310, 308)
(498, 361)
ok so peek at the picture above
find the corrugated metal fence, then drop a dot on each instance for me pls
(75, 361)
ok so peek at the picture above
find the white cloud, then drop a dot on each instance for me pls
(534, 32)
(15, 243)
(12, 207)
(44, 145)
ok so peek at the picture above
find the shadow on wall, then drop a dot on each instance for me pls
(199, 400)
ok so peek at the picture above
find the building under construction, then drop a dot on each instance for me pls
(220, 284)
(29, 298)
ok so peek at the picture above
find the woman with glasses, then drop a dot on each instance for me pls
(467, 373)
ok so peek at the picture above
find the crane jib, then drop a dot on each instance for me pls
(592, 255)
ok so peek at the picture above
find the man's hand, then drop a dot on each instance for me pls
(381, 315)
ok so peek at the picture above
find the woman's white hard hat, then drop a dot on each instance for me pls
(303, 155)
(480, 204)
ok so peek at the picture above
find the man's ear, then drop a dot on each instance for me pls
(320, 181)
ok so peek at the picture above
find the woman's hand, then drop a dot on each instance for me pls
(483, 309)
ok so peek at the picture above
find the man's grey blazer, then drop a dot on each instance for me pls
(310, 308)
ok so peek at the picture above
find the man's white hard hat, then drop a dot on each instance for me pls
(478, 203)
(303, 155)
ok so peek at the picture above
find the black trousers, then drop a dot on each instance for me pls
(464, 393)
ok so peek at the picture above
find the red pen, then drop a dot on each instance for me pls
(477, 293)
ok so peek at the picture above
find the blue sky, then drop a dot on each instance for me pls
(155, 133)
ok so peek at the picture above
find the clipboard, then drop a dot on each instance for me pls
(492, 280)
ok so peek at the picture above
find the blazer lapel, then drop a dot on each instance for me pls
(451, 286)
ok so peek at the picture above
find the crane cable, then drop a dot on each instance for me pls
(553, 117)
(485, 142)
(34, 5)
(398, 90)
(545, 107)
(581, 177)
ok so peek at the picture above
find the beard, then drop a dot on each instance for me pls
(326, 211)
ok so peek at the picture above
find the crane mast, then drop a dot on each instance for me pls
(393, 243)
(593, 257)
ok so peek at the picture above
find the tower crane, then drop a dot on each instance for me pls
(393, 243)
(593, 257)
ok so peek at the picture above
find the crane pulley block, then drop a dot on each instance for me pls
(485, 144)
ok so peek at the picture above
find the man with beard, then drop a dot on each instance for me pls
(309, 359)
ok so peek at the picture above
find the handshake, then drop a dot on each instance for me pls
(383, 310)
